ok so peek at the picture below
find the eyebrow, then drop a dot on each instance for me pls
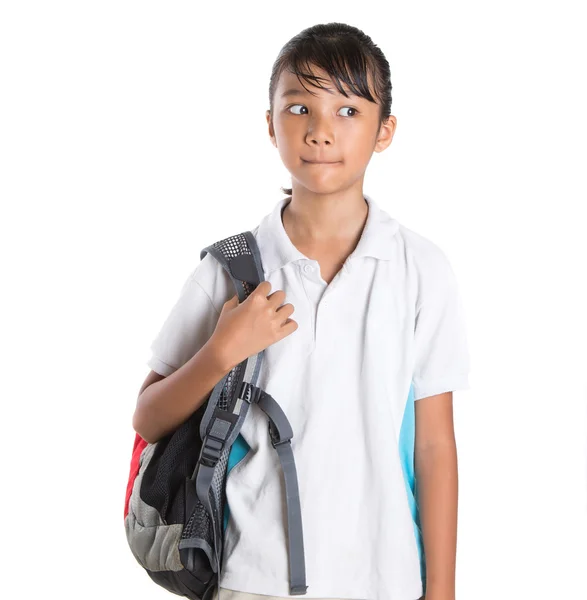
(298, 92)
(294, 92)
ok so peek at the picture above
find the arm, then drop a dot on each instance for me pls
(437, 491)
(164, 403)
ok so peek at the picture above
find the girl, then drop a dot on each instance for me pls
(366, 371)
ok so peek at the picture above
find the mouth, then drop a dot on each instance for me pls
(319, 162)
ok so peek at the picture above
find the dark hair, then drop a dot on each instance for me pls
(346, 54)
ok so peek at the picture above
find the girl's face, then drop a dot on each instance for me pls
(327, 127)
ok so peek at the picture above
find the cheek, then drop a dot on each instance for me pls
(285, 137)
(358, 143)
(284, 128)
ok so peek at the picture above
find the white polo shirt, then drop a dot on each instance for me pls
(388, 330)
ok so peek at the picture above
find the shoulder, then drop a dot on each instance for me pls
(428, 263)
(214, 280)
(422, 253)
(421, 249)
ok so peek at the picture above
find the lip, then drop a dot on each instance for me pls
(320, 162)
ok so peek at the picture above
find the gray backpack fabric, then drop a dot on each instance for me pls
(175, 509)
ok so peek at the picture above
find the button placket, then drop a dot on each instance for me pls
(307, 285)
(318, 292)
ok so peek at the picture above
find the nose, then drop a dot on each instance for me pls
(319, 131)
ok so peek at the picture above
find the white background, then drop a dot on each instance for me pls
(133, 134)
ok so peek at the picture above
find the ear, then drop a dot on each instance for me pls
(271, 129)
(385, 134)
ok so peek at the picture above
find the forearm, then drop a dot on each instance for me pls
(166, 404)
(437, 489)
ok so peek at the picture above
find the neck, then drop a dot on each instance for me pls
(318, 219)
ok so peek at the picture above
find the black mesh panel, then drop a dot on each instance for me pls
(174, 458)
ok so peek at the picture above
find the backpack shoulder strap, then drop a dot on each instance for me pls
(239, 255)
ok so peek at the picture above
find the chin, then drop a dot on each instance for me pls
(329, 187)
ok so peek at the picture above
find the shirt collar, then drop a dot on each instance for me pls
(277, 249)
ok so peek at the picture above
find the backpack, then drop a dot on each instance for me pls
(175, 511)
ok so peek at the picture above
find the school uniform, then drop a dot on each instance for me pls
(387, 331)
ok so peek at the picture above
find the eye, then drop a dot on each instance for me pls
(343, 108)
(290, 107)
(350, 108)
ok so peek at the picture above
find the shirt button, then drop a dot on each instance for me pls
(308, 268)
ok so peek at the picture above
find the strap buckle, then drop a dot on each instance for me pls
(211, 451)
(250, 393)
(275, 437)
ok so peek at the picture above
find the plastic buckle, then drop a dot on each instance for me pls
(211, 451)
(275, 439)
(249, 393)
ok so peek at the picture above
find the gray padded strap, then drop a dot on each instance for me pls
(281, 434)
(239, 255)
(203, 483)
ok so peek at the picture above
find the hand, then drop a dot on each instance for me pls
(247, 328)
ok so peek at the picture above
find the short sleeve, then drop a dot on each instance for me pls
(442, 360)
(189, 325)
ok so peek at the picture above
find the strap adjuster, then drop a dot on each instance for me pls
(250, 393)
(275, 437)
(211, 451)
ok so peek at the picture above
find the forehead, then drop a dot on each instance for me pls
(290, 86)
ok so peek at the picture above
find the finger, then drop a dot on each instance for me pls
(263, 288)
(288, 326)
(276, 298)
(286, 309)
